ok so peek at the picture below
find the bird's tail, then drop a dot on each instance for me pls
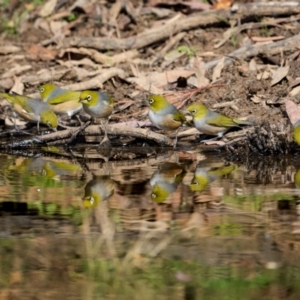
(8, 97)
(243, 122)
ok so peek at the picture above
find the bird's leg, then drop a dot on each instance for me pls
(104, 126)
(76, 133)
(219, 136)
(15, 122)
(38, 126)
(175, 141)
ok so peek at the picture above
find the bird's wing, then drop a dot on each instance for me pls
(179, 117)
(63, 96)
(216, 119)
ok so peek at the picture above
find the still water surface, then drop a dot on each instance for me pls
(176, 226)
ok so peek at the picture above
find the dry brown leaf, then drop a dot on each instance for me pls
(295, 91)
(219, 143)
(196, 5)
(223, 4)
(48, 8)
(156, 82)
(252, 65)
(257, 99)
(161, 80)
(97, 81)
(292, 111)
(6, 83)
(218, 69)
(82, 62)
(9, 49)
(294, 83)
(83, 73)
(16, 70)
(279, 74)
(158, 11)
(134, 124)
(200, 70)
(193, 4)
(189, 132)
(57, 26)
(87, 6)
(264, 75)
(38, 52)
(10, 123)
(18, 86)
(266, 39)
(145, 84)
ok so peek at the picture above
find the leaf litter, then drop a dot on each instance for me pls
(216, 65)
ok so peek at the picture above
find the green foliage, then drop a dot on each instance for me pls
(227, 229)
(189, 51)
(254, 202)
(266, 30)
(11, 24)
(233, 40)
(71, 17)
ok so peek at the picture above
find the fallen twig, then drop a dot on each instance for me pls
(290, 44)
(62, 137)
(205, 18)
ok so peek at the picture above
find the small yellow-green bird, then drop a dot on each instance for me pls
(296, 132)
(165, 181)
(212, 123)
(297, 179)
(56, 169)
(97, 190)
(98, 105)
(32, 110)
(203, 177)
(60, 100)
(165, 115)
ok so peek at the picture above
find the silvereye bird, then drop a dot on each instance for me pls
(60, 100)
(56, 169)
(165, 115)
(32, 110)
(297, 179)
(97, 105)
(165, 181)
(97, 190)
(203, 177)
(296, 132)
(212, 123)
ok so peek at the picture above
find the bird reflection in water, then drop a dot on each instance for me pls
(97, 190)
(165, 181)
(203, 176)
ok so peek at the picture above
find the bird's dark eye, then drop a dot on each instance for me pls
(42, 90)
(193, 111)
(195, 182)
(151, 100)
(88, 98)
(153, 196)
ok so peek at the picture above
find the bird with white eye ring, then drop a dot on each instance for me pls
(98, 105)
(61, 101)
(97, 190)
(213, 123)
(165, 115)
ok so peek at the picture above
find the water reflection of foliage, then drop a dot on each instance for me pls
(120, 258)
(38, 179)
(151, 264)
